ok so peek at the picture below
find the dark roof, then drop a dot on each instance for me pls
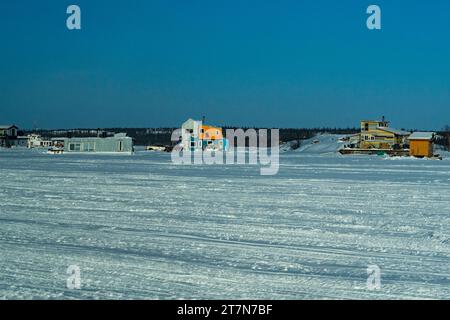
(6, 127)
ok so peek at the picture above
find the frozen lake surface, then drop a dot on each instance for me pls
(140, 227)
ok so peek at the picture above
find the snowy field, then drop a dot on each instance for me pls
(140, 227)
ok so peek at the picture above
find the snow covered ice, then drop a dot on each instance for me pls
(140, 227)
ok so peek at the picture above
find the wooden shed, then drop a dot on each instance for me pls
(421, 144)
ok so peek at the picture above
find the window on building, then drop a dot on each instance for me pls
(120, 146)
(89, 146)
(74, 147)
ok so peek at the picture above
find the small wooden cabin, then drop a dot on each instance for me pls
(421, 144)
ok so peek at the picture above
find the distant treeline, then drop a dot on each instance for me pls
(162, 136)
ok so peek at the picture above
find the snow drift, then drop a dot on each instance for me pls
(323, 143)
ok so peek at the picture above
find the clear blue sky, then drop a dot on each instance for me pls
(299, 63)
